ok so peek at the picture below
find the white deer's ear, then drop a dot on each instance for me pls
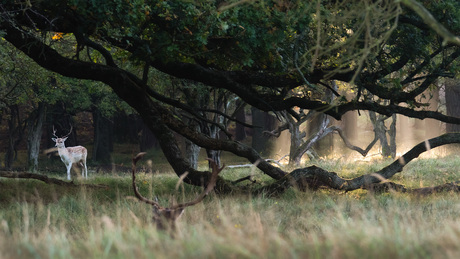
(53, 139)
(64, 139)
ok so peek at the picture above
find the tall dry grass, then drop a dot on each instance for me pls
(40, 221)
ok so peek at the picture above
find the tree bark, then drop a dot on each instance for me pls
(15, 135)
(35, 128)
(240, 116)
(192, 150)
(388, 147)
(453, 102)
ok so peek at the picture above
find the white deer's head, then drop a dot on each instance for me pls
(60, 140)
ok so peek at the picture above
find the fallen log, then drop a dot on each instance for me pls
(46, 179)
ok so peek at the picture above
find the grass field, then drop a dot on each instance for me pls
(48, 221)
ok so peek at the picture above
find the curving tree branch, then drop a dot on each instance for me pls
(314, 177)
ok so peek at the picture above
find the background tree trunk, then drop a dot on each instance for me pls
(192, 151)
(126, 127)
(103, 140)
(388, 147)
(453, 102)
(350, 128)
(35, 129)
(262, 121)
(433, 127)
(296, 139)
(146, 138)
(213, 132)
(392, 134)
(15, 135)
(240, 115)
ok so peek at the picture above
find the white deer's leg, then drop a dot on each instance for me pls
(69, 166)
(86, 170)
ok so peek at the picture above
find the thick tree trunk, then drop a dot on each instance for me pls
(35, 128)
(192, 151)
(453, 102)
(213, 154)
(175, 158)
(15, 135)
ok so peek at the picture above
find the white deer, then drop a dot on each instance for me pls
(71, 155)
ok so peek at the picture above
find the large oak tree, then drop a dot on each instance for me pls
(260, 51)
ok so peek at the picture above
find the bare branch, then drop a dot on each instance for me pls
(276, 132)
(353, 147)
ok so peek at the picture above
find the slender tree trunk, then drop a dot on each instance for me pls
(35, 128)
(322, 130)
(392, 134)
(240, 132)
(380, 131)
(296, 140)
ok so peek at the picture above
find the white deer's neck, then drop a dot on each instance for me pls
(62, 149)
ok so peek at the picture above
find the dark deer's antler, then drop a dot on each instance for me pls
(166, 217)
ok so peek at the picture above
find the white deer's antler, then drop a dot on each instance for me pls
(54, 132)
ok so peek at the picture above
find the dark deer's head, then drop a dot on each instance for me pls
(165, 218)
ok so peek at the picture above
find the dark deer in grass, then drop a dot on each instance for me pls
(165, 218)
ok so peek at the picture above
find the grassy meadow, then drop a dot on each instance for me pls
(38, 220)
